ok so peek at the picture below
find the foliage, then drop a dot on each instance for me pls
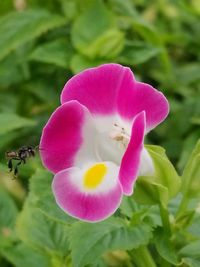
(42, 45)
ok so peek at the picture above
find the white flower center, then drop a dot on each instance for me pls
(120, 135)
(112, 141)
(111, 144)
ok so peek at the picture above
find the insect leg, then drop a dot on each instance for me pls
(10, 165)
(16, 168)
(32, 153)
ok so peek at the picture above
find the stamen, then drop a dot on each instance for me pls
(119, 134)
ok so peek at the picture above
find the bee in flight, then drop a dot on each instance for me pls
(21, 155)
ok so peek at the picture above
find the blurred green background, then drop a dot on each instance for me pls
(44, 43)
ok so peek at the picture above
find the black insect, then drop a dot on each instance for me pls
(20, 155)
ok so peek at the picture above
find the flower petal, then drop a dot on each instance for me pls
(110, 89)
(131, 160)
(146, 164)
(139, 97)
(67, 138)
(92, 193)
(97, 88)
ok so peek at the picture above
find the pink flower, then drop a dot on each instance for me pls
(94, 141)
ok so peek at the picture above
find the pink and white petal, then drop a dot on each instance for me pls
(97, 88)
(139, 97)
(67, 137)
(131, 160)
(87, 205)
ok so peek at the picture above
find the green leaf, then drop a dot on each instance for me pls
(99, 39)
(188, 73)
(57, 52)
(18, 28)
(10, 73)
(194, 228)
(185, 219)
(191, 262)
(146, 30)
(69, 8)
(42, 197)
(165, 173)
(90, 241)
(164, 246)
(38, 230)
(109, 45)
(6, 6)
(188, 146)
(149, 192)
(137, 52)
(128, 206)
(22, 256)
(8, 215)
(195, 120)
(11, 121)
(191, 250)
(79, 63)
(124, 7)
(191, 174)
(8, 210)
(140, 213)
(163, 185)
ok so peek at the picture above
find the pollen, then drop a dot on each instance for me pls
(94, 176)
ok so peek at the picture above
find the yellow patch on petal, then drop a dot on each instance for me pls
(94, 176)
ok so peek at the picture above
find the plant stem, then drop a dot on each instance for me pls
(166, 63)
(183, 206)
(165, 219)
(142, 257)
